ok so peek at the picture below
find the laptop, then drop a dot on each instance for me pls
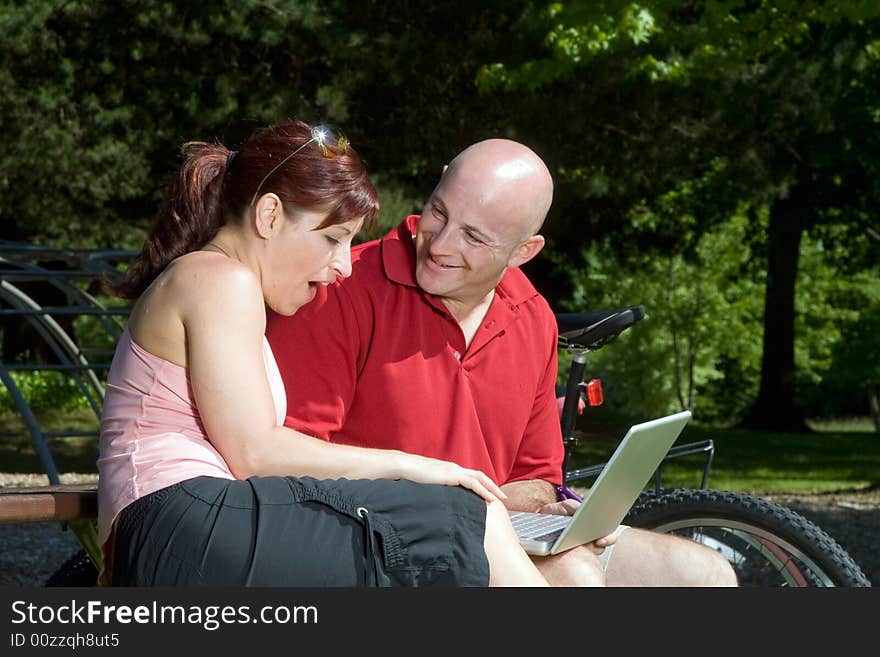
(613, 493)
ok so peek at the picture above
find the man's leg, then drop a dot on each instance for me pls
(646, 558)
(580, 566)
(575, 567)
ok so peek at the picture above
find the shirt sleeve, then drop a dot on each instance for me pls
(317, 352)
(541, 452)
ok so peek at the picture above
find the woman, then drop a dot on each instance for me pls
(199, 482)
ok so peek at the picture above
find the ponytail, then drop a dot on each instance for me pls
(190, 215)
(216, 185)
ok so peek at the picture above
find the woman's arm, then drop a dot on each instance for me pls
(224, 324)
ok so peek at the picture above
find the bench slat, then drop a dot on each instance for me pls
(45, 503)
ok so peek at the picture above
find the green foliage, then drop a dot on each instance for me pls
(702, 324)
(71, 454)
(699, 346)
(690, 114)
(86, 531)
(682, 40)
(852, 365)
(44, 391)
(397, 201)
(101, 95)
(576, 33)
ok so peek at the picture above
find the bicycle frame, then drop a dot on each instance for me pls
(590, 338)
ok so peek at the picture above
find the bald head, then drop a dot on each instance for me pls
(481, 220)
(506, 177)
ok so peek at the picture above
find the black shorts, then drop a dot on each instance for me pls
(286, 531)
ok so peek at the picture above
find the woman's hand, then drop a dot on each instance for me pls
(426, 470)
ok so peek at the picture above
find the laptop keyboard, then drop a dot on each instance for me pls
(536, 525)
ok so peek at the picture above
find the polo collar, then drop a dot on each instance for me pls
(399, 263)
(399, 252)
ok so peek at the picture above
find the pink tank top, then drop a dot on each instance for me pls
(151, 433)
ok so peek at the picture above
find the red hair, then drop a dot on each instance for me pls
(214, 187)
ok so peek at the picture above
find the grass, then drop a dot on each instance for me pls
(827, 460)
(17, 453)
(846, 424)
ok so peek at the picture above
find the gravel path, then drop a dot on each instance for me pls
(31, 552)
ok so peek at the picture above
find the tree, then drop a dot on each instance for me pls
(99, 96)
(856, 362)
(770, 104)
(697, 317)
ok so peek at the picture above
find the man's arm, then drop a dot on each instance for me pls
(542, 442)
(530, 495)
(540, 453)
(537, 496)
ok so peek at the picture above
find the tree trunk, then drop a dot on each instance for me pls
(874, 405)
(776, 408)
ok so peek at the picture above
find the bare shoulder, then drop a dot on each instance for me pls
(209, 287)
(195, 290)
(194, 279)
(202, 276)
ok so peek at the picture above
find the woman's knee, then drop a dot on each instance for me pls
(498, 526)
(509, 565)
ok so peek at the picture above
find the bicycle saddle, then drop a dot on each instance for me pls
(595, 329)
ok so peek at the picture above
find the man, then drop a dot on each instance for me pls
(438, 344)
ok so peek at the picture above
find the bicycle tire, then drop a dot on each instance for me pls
(767, 544)
(78, 570)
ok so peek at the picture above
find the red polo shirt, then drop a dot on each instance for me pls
(376, 362)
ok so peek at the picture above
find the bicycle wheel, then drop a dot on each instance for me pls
(767, 544)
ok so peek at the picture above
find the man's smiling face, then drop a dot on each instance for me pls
(462, 249)
(481, 220)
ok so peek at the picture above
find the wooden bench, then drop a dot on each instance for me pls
(60, 502)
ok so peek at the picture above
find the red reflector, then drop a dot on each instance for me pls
(594, 392)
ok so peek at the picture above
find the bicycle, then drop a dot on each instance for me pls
(766, 543)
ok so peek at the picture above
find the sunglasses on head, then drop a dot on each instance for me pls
(324, 137)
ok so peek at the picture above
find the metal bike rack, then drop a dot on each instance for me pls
(71, 271)
(706, 447)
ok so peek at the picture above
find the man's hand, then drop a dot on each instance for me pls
(538, 495)
(561, 508)
(568, 508)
